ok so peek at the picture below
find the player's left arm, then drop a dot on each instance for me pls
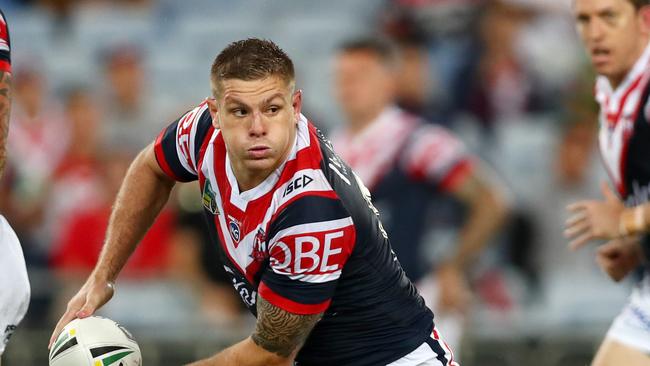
(276, 340)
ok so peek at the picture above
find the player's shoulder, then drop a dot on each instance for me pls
(195, 117)
(306, 198)
(194, 127)
(430, 142)
(301, 184)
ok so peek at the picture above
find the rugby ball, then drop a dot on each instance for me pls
(95, 341)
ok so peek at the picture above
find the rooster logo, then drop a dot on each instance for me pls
(259, 253)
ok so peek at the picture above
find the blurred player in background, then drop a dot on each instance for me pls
(14, 283)
(405, 162)
(300, 239)
(616, 33)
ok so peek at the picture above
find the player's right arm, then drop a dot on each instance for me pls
(144, 191)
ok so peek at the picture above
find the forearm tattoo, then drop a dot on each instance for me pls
(5, 109)
(279, 331)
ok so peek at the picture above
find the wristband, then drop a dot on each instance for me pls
(632, 221)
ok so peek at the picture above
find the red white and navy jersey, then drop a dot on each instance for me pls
(406, 163)
(306, 240)
(625, 131)
(5, 44)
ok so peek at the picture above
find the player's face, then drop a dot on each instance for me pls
(364, 85)
(258, 122)
(614, 34)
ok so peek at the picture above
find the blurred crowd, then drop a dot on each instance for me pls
(95, 81)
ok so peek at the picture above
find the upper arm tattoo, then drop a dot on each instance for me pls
(5, 109)
(279, 331)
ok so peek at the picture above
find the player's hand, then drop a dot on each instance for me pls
(619, 256)
(92, 295)
(594, 219)
(454, 293)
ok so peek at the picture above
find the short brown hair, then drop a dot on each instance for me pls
(251, 59)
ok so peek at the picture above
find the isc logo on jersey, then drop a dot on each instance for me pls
(317, 253)
(300, 182)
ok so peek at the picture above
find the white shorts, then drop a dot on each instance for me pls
(433, 352)
(632, 326)
(14, 284)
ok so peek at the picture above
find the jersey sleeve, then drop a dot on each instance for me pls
(177, 146)
(5, 44)
(436, 156)
(310, 242)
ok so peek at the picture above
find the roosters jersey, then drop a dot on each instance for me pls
(307, 240)
(625, 131)
(405, 163)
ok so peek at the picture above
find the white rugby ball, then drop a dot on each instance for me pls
(95, 341)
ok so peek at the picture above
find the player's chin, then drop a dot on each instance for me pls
(604, 68)
(260, 164)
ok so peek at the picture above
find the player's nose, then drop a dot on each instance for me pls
(595, 31)
(257, 125)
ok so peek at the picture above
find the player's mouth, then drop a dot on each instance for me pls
(259, 152)
(600, 56)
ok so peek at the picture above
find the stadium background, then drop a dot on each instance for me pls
(95, 80)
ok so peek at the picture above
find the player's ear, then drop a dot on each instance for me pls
(296, 102)
(214, 113)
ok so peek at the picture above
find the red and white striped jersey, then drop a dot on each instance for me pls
(306, 240)
(425, 152)
(624, 130)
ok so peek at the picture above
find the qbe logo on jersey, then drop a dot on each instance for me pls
(320, 254)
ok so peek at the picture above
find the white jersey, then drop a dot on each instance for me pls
(14, 284)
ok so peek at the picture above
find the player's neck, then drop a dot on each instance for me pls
(615, 81)
(247, 179)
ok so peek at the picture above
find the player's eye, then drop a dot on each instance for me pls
(274, 109)
(239, 112)
(608, 16)
(582, 19)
